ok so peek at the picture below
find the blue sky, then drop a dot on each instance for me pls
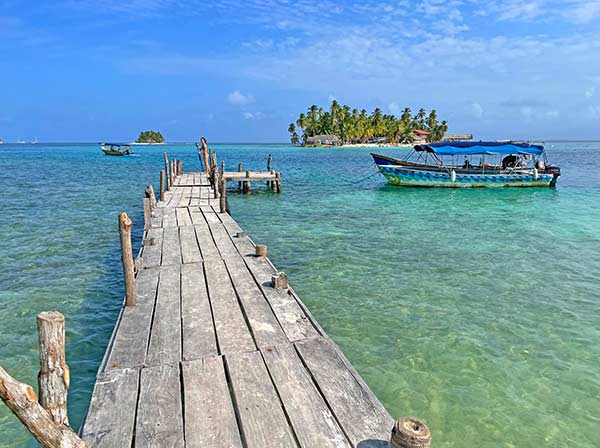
(241, 71)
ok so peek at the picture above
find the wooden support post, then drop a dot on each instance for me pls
(278, 182)
(279, 280)
(171, 177)
(410, 433)
(149, 192)
(223, 199)
(269, 168)
(127, 258)
(179, 167)
(147, 214)
(261, 250)
(168, 186)
(273, 182)
(240, 166)
(22, 401)
(54, 377)
(214, 182)
(247, 183)
(162, 185)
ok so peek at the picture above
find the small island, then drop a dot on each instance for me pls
(343, 126)
(150, 137)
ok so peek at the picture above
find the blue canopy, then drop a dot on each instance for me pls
(472, 148)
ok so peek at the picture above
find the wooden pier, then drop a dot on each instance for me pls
(212, 348)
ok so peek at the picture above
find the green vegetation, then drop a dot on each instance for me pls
(150, 137)
(354, 126)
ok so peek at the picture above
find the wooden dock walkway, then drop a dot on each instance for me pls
(212, 355)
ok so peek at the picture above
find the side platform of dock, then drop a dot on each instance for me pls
(214, 355)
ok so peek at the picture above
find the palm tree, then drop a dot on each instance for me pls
(294, 136)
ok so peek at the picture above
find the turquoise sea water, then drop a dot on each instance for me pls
(477, 311)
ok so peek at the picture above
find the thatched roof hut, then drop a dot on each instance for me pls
(331, 140)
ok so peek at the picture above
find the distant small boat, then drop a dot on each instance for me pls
(499, 164)
(116, 149)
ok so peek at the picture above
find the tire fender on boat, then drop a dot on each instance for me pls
(536, 175)
(453, 176)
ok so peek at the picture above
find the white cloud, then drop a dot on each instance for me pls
(253, 115)
(476, 110)
(583, 11)
(239, 99)
(590, 92)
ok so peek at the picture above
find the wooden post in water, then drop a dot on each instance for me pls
(278, 182)
(147, 214)
(20, 398)
(213, 176)
(222, 177)
(149, 192)
(127, 258)
(247, 183)
(261, 250)
(168, 185)
(54, 377)
(179, 167)
(162, 185)
(240, 166)
(410, 433)
(269, 168)
(223, 199)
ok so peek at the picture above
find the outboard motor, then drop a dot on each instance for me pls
(555, 171)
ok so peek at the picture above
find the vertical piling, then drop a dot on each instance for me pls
(240, 166)
(223, 198)
(54, 377)
(278, 182)
(147, 213)
(149, 192)
(247, 183)
(168, 185)
(179, 167)
(269, 168)
(410, 433)
(162, 185)
(127, 258)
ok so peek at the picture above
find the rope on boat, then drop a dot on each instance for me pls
(362, 179)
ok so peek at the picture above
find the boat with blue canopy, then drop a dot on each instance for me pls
(471, 165)
(116, 149)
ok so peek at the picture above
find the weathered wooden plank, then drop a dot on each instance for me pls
(190, 251)
(131, 338)
(197, 323)
(152, 253)
(209, 416)
(262, 417)
(210, 215)
(291, 316)
(169, 217)
(111, 415)
(165, 338)
(233, 334)
(207, 245)
(223, 241)
(159, 421)
(265, 327)
(171, 249)
(313, 422)
(157, 216)
(361, 415)
(183, 217)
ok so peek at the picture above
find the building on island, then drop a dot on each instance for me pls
(330, 140)
(458, 137)
(420, 137)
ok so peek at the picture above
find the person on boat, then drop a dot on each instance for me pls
(509, 161)
(467, 164)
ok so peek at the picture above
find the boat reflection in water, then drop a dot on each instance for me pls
(471, 165)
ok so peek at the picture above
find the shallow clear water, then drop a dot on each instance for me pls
(477, 311)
